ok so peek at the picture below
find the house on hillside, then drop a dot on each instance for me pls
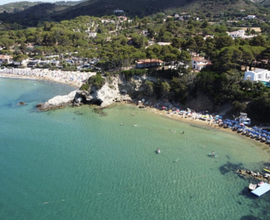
(198, 63)
(20, 63)
(32, 63)
(251, 17)
(92, 34)
(235, 34)
(164, 43)
(208, 36)
(148, 63)
(55, 62)
(262, 75)
(122, 18)
(5, 59)
(240, 34)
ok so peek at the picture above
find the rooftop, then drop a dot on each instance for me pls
(259, 70)
(199, 59)
(149, 61)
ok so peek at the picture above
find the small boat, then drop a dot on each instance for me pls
(267, 169)
(252, 186)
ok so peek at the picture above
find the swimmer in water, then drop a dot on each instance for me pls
(183, 132)
(122, 124)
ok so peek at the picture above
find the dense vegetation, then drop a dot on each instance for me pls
(119, 43)
(211, 9)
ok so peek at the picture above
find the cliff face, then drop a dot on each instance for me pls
(118, 89)
(115, 89)
(109, 93)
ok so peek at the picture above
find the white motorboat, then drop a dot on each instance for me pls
(252, 186)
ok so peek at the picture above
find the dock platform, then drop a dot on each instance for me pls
(261, 189)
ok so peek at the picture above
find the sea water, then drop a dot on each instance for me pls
(75, 164)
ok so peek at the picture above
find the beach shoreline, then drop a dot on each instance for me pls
(196, 122)
(37, 78)
(163, 113)
(71, 78)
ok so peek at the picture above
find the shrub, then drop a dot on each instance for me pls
(84, 87)
(98, 81)
(129, 73)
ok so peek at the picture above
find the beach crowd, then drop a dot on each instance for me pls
(74, 78)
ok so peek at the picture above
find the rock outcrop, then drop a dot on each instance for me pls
(118, 89)
(115, 89)
(57, 102)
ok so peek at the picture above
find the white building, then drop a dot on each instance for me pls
(148, 63)
(258, 75)
(235, 34)
(5, 59)
(251, 17)
(92, 34)
(164, 43)
(198, 63)
(240, 34)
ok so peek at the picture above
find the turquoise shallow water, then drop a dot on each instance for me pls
(74, 164)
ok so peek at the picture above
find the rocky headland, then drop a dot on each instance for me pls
(119, 89)
(57, 102)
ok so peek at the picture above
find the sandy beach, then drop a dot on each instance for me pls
(197, 122)
(72, 78)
